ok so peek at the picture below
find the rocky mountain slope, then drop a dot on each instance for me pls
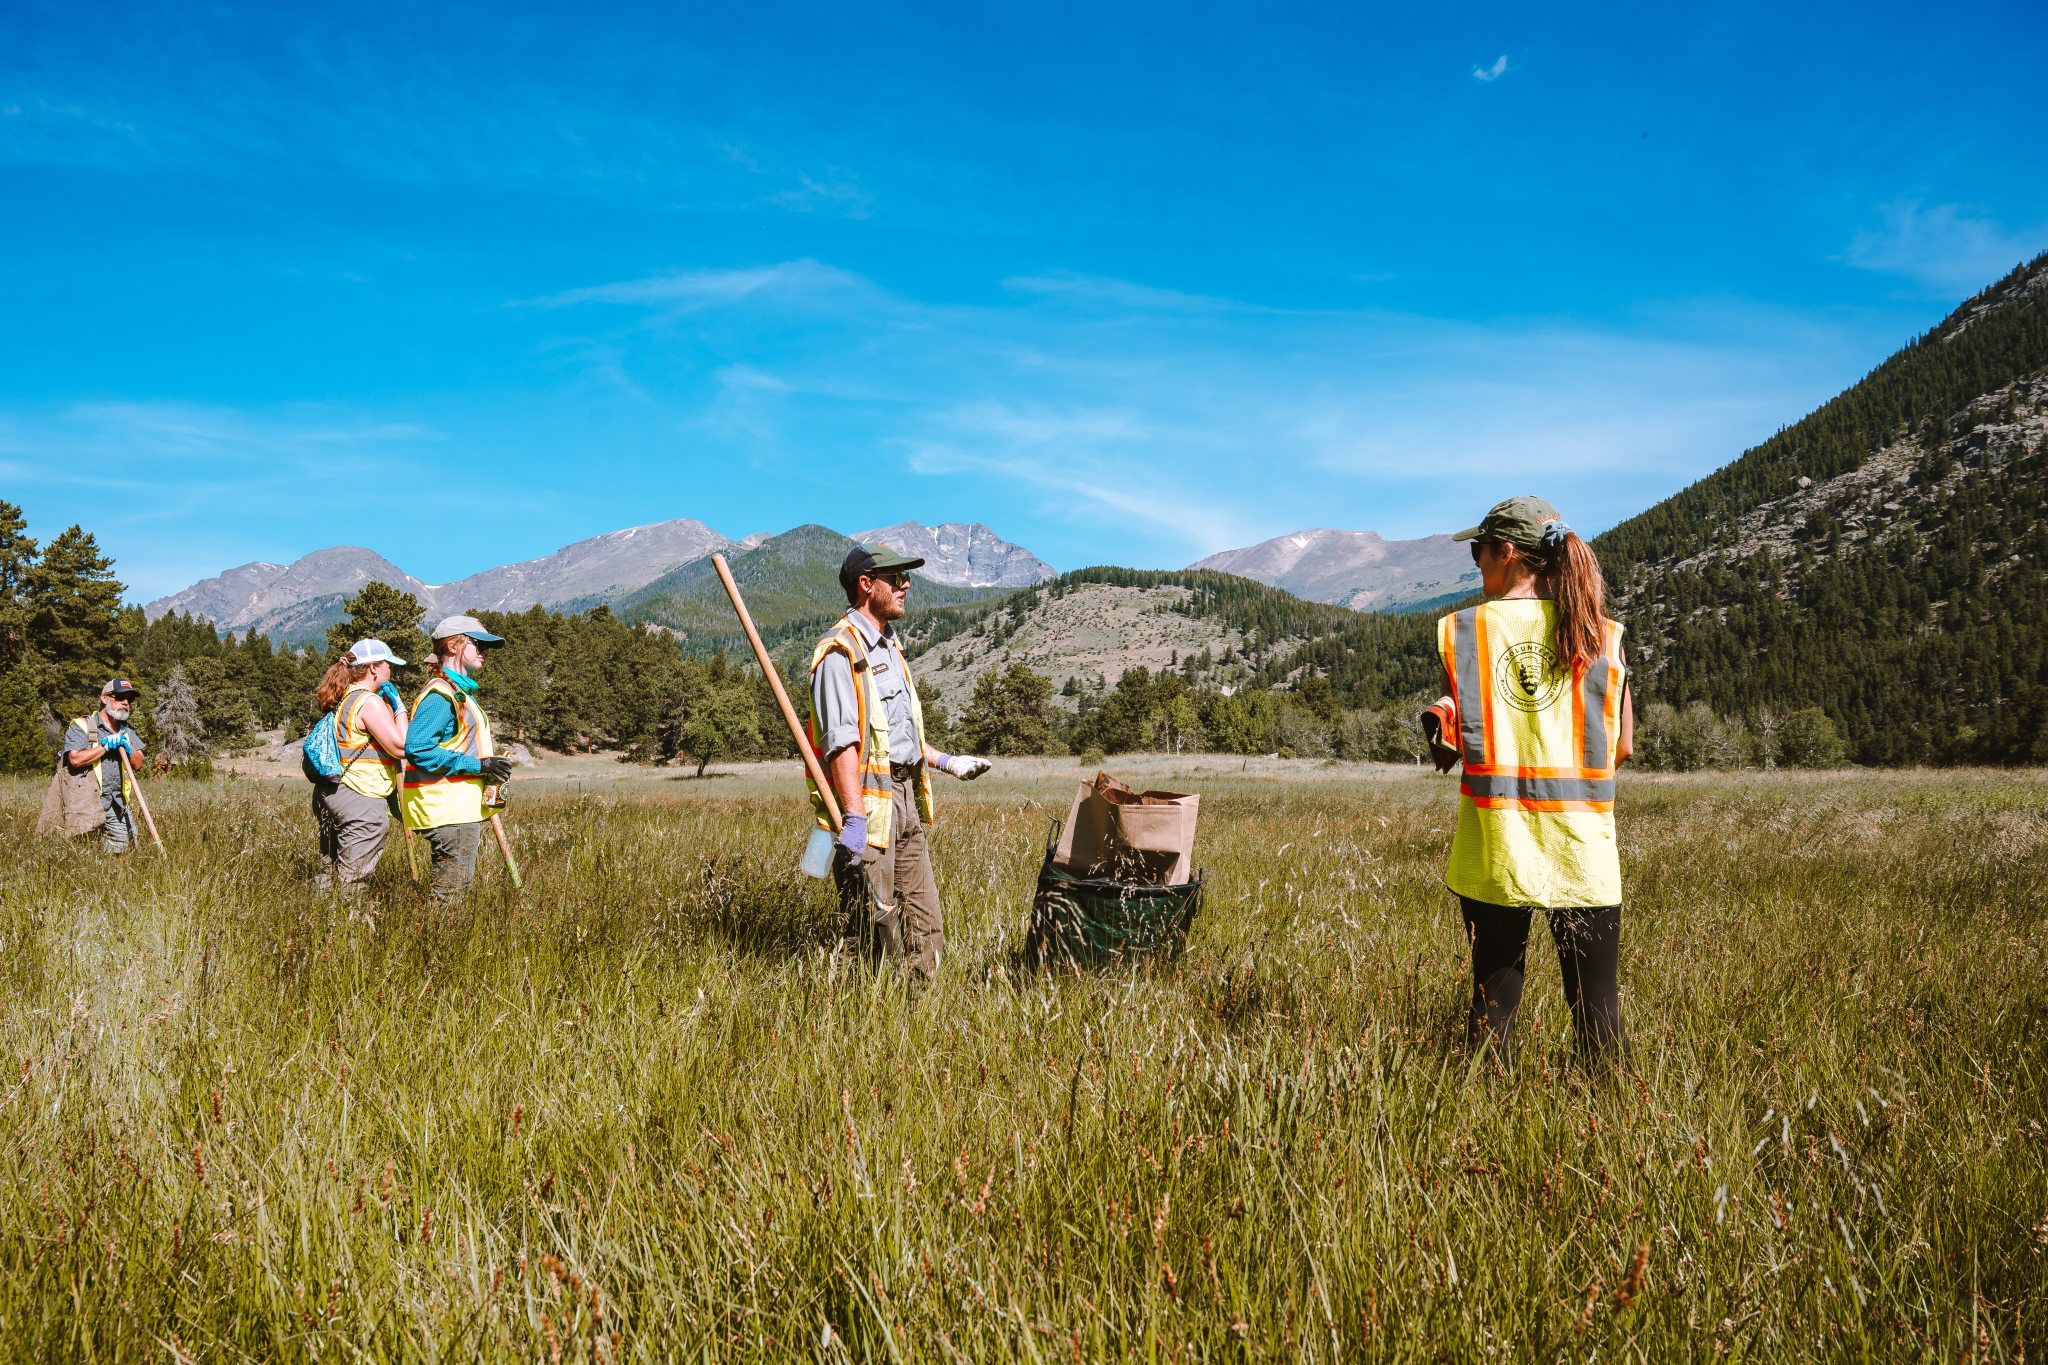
(1097, 631)
(1356, 569)
(1088, 628)
(962, 555)
(1882, 558)
(294, 603)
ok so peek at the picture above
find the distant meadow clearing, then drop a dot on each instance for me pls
(642, 1112)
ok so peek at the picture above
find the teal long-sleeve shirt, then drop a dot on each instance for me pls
(433, 721)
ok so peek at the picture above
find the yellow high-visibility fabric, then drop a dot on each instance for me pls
(365, 768)
(90, 725)
(1538, 739)
(846, 639)
(429, 802)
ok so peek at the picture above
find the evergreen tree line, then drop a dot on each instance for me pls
(1984, 345)
(1012, 712)
(64, 632)
(1923, 635)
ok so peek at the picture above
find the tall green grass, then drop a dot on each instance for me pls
(641, 1112)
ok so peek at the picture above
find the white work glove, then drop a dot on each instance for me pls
(966, 767)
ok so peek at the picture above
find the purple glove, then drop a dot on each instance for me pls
(853, 835)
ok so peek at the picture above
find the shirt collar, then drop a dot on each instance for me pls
(872, 637)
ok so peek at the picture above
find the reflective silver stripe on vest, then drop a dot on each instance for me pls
(1593, 695)
(1500, 786)
(1471, 702)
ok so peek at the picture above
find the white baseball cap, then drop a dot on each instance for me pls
(373, 652)
(453, 626)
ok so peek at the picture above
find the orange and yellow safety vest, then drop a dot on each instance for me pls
(873, 728)
(429, 802)
(1538, 737)
(365, 768)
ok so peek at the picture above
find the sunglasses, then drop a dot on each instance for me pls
(900, 582)
(1492, 544)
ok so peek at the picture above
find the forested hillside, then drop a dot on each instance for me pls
(1881, 559)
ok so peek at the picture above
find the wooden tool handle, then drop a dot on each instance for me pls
(128, 766)
(505, 847)
(796, 728)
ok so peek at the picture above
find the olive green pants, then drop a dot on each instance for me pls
(900, 921)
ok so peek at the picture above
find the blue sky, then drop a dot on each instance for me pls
(1131, 285)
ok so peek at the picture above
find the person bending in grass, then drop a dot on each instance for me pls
(1539, 713)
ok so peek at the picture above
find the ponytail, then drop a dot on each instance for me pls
(343, 673)
(1572, 572)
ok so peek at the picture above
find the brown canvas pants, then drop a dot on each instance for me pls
(911, 930)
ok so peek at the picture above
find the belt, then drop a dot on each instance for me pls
(903, 772)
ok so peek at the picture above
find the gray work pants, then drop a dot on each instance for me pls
(911, 930)
(117, 836)
(454, 848)
(352, 829)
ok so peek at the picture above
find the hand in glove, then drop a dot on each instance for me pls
(853, 835)
(497, 771)
(389, 692)
(113, 742)
(966, 767)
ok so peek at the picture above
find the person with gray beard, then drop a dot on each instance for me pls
(97, 743)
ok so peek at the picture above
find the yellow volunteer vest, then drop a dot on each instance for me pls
(365, 768)
(1536, 805)
(91, 726)
(845, 638)
(429, 802)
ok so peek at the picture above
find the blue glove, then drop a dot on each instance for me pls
(389, 692)
(853, 835)
(120, 741)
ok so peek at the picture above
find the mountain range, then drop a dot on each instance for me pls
(294, 603)
(1357, 569)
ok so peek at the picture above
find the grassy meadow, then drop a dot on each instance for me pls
(642, 1112)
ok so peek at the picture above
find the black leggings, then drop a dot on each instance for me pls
(1588, 955)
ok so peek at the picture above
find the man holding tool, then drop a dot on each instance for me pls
(868, 726)
(449, 761)
(99, 742)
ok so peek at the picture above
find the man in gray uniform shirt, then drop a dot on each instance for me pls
(868, 727)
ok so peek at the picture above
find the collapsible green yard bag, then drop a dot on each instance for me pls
(1098, 921)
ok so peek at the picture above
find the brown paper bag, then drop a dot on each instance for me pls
(1129, 836)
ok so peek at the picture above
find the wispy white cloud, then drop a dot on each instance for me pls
(1942, 247)
(1176, 425)
(143, 467)
(687, 289)
(1095, 289)
(837, 192)
(1093, 419)
(1494, 72)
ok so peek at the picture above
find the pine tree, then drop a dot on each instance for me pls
(74, 620)
(23, 746)
(382, 612)
(181, 737)
(17, 557)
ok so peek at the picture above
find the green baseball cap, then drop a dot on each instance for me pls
(872, 560)
(1523, 521)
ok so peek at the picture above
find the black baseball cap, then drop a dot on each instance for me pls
(120, 687)
(873, 560)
